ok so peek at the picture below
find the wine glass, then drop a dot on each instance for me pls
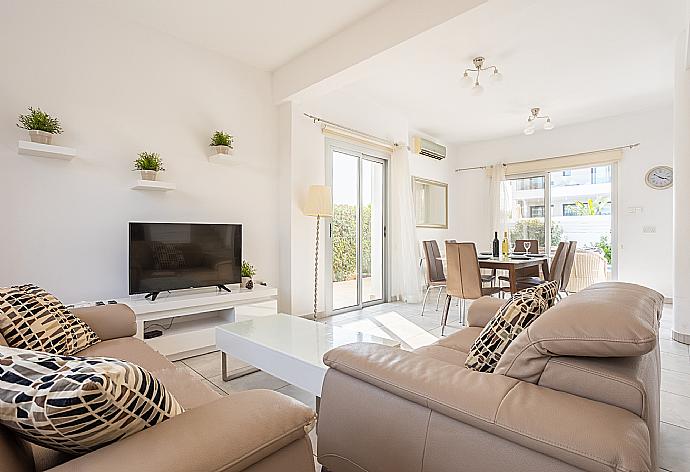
(527, 244)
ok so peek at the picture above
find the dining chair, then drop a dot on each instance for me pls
(486, 278)
(556, 270)
(568, 266)
(435, 276)
(464, 279)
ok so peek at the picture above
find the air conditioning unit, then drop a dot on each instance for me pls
(428, 148)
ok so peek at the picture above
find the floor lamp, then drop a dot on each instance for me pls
(319, 204)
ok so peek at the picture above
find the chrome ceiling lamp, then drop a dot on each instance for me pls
(530, 128)
(469, 80)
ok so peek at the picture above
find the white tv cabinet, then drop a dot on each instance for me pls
(191, 316)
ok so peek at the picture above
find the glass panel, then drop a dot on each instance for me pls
(372, 231)
(430, 203)
(527, 216)
(344, 232)
(581, 208)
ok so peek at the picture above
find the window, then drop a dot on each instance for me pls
(536, 211)
(570, 209)
(601, 175)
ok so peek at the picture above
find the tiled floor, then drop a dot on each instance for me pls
(404, 323)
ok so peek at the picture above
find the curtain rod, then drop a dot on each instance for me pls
(627, 146)
(316, 119)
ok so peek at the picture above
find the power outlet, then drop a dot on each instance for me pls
(649, 229)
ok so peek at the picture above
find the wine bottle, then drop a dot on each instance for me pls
(496, 245)
(505, 246)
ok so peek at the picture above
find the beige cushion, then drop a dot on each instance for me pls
(606, 320)
(129, 349)
(31, 318)
(77, 405)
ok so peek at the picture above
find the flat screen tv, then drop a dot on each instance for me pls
(173, 256)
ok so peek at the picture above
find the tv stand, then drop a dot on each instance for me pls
(191, 317)
(151, 296)
(223, 287)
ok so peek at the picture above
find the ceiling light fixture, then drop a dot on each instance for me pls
(530, 128)
(468, 80)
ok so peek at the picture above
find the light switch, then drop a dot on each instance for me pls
(634, 210)
(649, 229)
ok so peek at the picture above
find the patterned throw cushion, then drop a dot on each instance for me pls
(520, 311)
(548, 291)
(31, 318)
(78, 404)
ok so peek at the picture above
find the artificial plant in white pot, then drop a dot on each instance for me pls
(41, 125)
(221, 142)
(248, 271)
(149, 164)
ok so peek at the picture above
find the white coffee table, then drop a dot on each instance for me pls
(288, 347)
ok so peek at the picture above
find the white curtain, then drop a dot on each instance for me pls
(500, 199)
(405, 273)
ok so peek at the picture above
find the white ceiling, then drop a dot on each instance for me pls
(262, 33)
(577, 60)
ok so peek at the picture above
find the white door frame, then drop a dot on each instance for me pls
(361, 153)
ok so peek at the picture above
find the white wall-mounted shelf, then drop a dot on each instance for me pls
(155, 185)
(221, 158)
(46, 150)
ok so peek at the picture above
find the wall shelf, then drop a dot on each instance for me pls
(46, 150)
(155, 185)
(221, 158)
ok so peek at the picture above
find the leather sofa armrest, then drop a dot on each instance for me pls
(108, 321)
(482, 310)
(229, 435)
(582, 432)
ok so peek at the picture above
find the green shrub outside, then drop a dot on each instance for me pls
(533, 228)
(345, 242)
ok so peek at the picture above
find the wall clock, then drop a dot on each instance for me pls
(659, 177)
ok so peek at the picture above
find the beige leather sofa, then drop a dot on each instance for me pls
(577, 391)
(257, 431)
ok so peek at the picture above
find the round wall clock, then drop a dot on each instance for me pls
(659, 177)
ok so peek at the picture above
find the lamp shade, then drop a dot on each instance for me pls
(319, 201)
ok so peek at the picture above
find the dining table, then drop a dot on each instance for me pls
(512, 264)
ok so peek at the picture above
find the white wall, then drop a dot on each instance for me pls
(118, 89)
(643, 258)
(305, 166)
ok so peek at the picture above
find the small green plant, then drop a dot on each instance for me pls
(605, 247)
(149, 161)
(248, 270)
(39, 120)
(221, 138)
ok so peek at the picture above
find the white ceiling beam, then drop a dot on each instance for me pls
(393, 23)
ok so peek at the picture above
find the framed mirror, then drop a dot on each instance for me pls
(430, 203)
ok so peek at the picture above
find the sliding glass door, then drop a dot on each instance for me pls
(356, 239)
(580, 208)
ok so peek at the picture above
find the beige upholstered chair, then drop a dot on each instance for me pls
(464, 278)
(435, 277)
(589, 268)
(555, 271)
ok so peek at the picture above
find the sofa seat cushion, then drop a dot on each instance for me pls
(611, 319)
(460, 340)
(75, 404)
(521, 311)
(129, 349)
(31, 318)
(444, 354)
(189, 389)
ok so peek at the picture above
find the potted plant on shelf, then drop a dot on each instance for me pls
(221, 142)
(149, 164)
(248, 271)
(41, 125)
